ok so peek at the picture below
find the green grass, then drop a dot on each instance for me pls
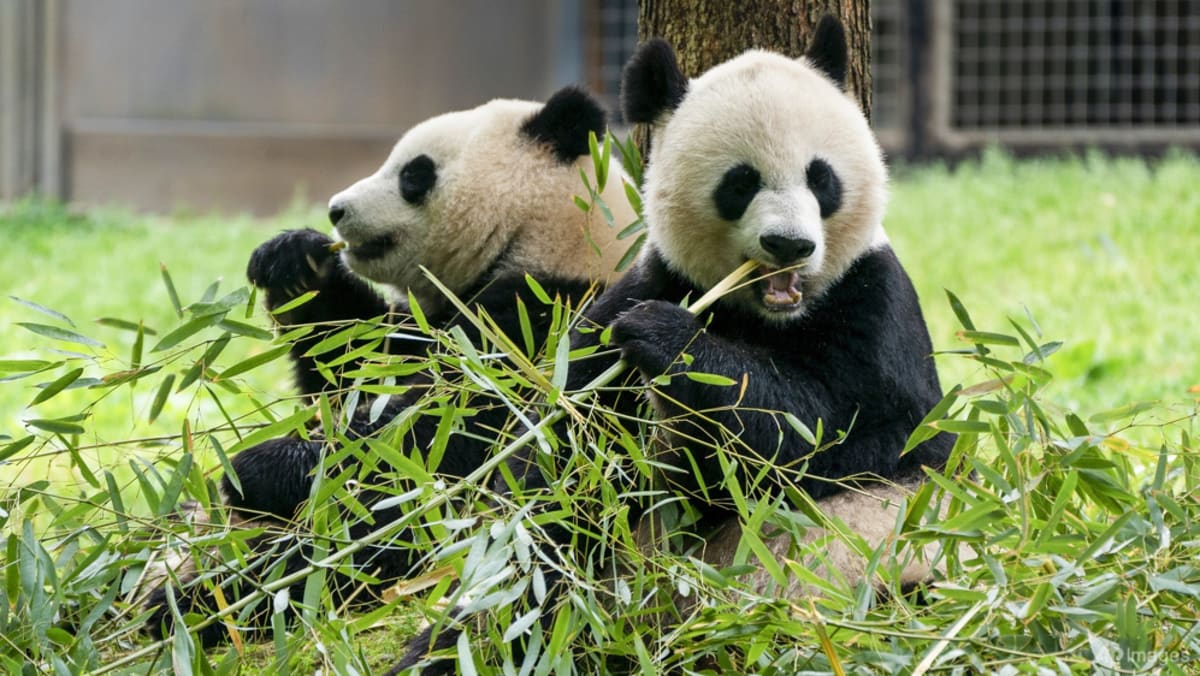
(1084, 529)
(1101, 252)
(106, 264)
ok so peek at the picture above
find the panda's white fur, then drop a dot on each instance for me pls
(870, 512)
(495, 194)
(779, 98)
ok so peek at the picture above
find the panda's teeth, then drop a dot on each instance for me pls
(780, 287)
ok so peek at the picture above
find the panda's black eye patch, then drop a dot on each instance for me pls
(738, 187)
(417, 178)
(825, 186)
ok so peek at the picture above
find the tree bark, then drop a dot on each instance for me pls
(707, 32)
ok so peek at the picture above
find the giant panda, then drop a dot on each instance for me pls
(480, 198)
(762, 158)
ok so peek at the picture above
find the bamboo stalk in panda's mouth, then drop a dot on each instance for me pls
(731, 282)
(337, 246)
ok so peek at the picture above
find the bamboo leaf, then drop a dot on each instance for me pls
(961, 426)
(710, 379)
(185, 331)
(598, 161)
(174, 489)
(60, 334)
(632, 229)
(222, 306)
(210, 293)
(139, 344)
(58, 385)
(226, 465)
(242, 329)
(171, 293)
(57, 425)
(25, 365)
(632, 196)
(279, 428)
(418, 315)
(45, 310)
(254, 362)
(1122, 412)
(988, 338)
(960, 311)
(160, 397)
(631, 253)
(521, 625)
(11, 449)
(118, 504)
(250, 303)
(537, 289)
(295, 302)
(205, 362)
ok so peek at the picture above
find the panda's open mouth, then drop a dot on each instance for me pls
(780, 287)
(376, 247)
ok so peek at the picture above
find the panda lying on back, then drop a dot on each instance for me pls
(481, 198)
(765, 159)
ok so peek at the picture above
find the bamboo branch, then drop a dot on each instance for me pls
(729, 283)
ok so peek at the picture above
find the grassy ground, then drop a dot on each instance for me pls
(1102, 253)
(108, 264)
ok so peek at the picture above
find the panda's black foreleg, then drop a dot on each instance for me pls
(296, 262)
(273, 478)
(422, 645)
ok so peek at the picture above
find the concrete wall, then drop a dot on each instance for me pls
(243, 104)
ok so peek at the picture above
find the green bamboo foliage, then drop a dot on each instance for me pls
(1067, 540)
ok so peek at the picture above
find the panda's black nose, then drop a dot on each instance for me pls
(336, 213)
(787, 250)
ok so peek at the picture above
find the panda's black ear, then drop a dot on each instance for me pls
(564, 122)
(827, 49)
(652, 82)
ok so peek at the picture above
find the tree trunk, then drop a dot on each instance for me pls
(707, 32)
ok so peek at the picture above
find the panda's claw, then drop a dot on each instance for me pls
(652, 334)
(292, 263)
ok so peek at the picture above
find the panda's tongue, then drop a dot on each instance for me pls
(779, 287)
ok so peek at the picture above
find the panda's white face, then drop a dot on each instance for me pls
(765, 159)
(385, 226)
(464, 194)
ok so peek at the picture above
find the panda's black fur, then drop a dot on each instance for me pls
(276, 476)
(876, 386)
(846, 345)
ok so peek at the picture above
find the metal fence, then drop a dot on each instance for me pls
(951, 75)
(1051, 72)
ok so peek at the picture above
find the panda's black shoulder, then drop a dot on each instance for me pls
(875, 288)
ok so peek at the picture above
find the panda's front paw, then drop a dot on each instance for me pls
(292, 263)
(652, 334)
